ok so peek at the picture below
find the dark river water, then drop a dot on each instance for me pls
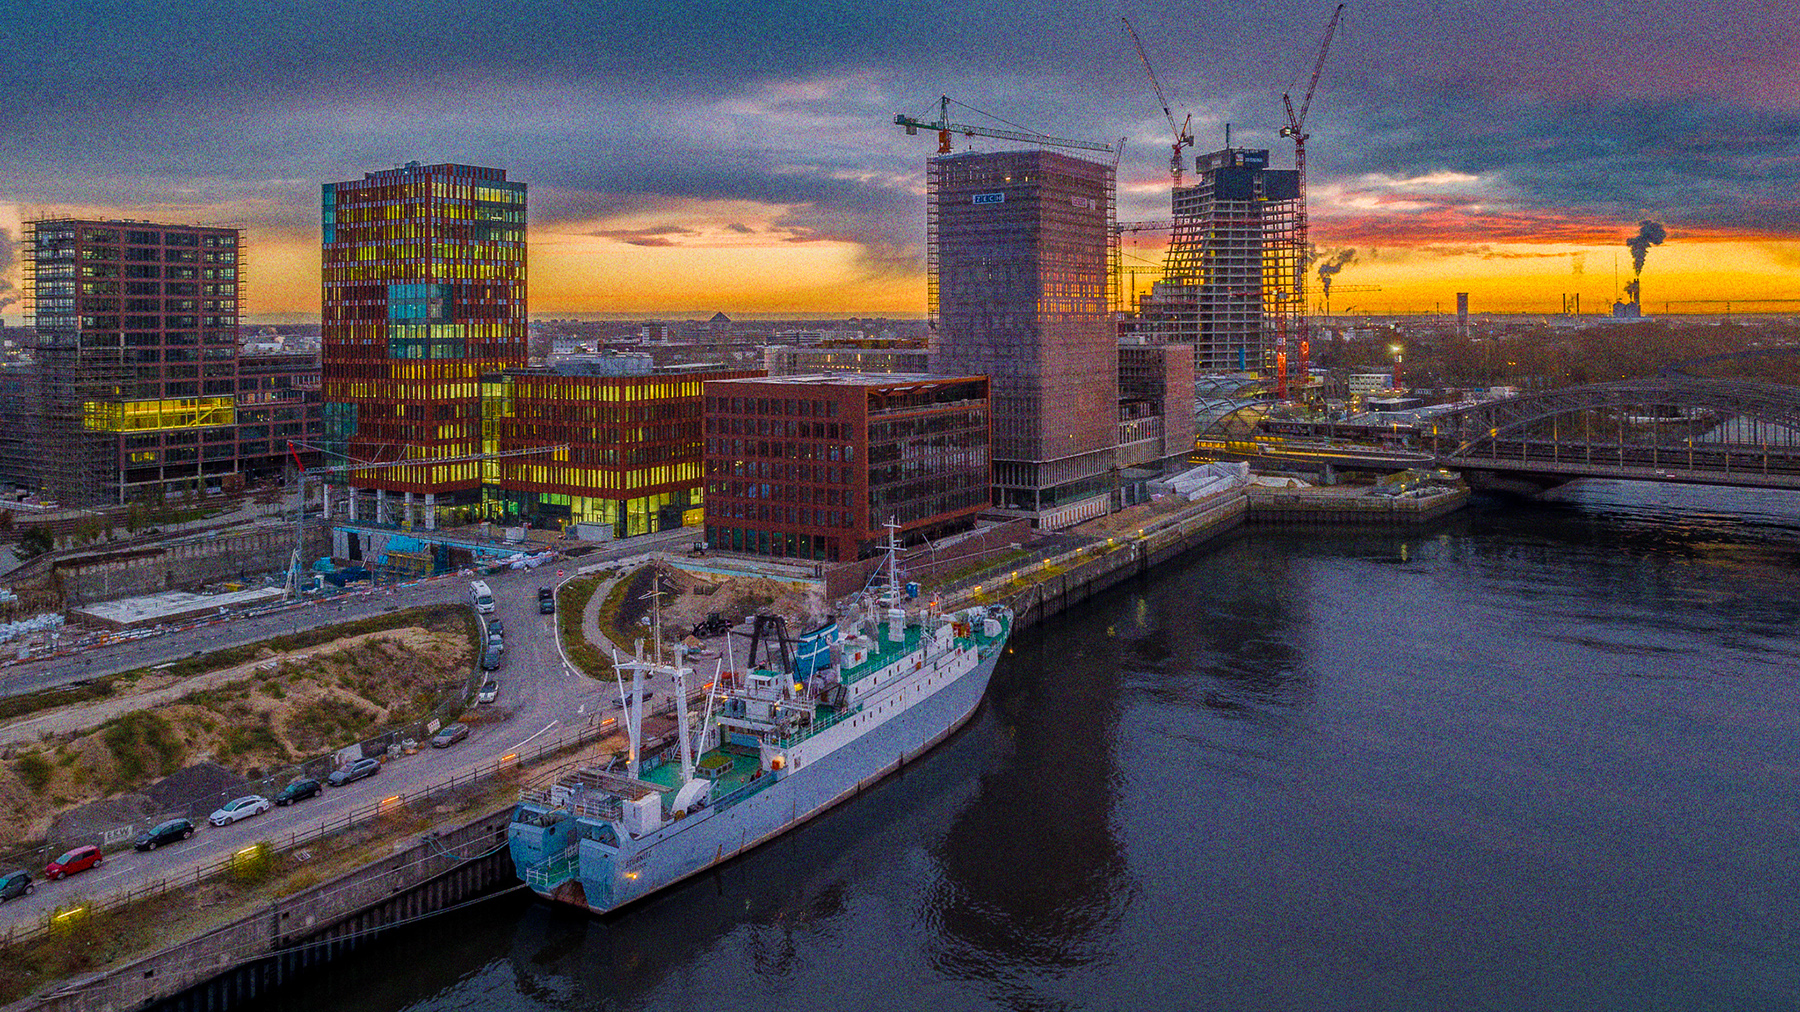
(1537, 756)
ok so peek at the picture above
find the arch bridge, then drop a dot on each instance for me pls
(1670, 428)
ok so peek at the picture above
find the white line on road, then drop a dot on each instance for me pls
(546, 728)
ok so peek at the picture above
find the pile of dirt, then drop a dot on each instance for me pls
(689, 598)
(97, 817)
(182, 788)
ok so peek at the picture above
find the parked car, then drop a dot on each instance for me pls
(355, 771)
(494, 642)
(16, 883)
(240, 809)
(546, 601)
(490, 691)
(299, 790)
(172, 831)
(72, 861)
(450, 736)
(496, 629)
(490, 658)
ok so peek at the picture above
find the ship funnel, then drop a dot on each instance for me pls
(896, 625)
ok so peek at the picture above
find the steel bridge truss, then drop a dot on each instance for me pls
(1670, 427)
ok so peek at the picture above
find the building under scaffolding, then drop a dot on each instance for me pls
(1018, 251)
(1233, 267)
(138, 384)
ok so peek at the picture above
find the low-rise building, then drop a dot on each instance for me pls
(815, 467)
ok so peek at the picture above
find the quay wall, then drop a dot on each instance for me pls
(236, 965)
(233, 966)
(1289, 506)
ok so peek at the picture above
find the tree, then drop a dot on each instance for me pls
(34, 542)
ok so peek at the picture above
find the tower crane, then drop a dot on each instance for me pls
(1183, 135)
(945, 128)
(1296, 130)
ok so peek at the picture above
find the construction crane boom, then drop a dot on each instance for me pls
(945, 128)
(1296, 129)
(1183, 136)
(1297, 121)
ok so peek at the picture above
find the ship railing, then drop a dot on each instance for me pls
(554, 870)
(606, 809)
(817, 726)
(745, 791)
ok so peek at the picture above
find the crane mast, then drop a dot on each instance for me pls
(1295, 290)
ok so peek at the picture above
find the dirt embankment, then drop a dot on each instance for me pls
(255, 717)
(687, 598)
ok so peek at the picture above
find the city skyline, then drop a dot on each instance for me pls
(705, 159)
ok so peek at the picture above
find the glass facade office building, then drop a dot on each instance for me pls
(424, 293)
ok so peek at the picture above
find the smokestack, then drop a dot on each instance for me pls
(1649, 234)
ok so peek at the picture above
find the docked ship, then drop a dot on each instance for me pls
(771, 746)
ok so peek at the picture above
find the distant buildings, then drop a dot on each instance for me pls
(140, 386)
(867, 356)
(814, 467)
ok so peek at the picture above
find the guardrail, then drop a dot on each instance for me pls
(19, 932)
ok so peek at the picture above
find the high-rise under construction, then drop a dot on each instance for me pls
(1018, 245)
(1231, 276)
(138, 384)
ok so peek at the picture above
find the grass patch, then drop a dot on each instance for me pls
(441, 618)
(47, 699)
(327, 721)
(34, 770)
(571, 604)
(142, 745)
(1004, 561)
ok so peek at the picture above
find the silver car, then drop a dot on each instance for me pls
(240, 809)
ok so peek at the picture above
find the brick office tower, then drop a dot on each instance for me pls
(424, 292)
(137, 379)
(1018, 254)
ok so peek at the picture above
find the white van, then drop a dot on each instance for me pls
(482, 596)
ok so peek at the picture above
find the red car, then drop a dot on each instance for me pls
(79, 859)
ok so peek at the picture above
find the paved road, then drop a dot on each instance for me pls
(539, 695)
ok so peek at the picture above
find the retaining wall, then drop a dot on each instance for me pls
(232, 966)
(1269, 505)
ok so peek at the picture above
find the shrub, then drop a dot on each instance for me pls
(142, 744)
(34, 770)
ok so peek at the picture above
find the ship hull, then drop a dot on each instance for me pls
(609, 878)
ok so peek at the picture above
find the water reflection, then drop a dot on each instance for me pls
(1535, 756)
(1033, 878)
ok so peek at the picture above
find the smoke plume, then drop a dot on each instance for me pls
(1649, 234)
(1330, 264)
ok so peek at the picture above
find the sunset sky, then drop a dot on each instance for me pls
(692, 157)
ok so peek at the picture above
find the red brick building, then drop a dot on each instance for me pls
(813, 467)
